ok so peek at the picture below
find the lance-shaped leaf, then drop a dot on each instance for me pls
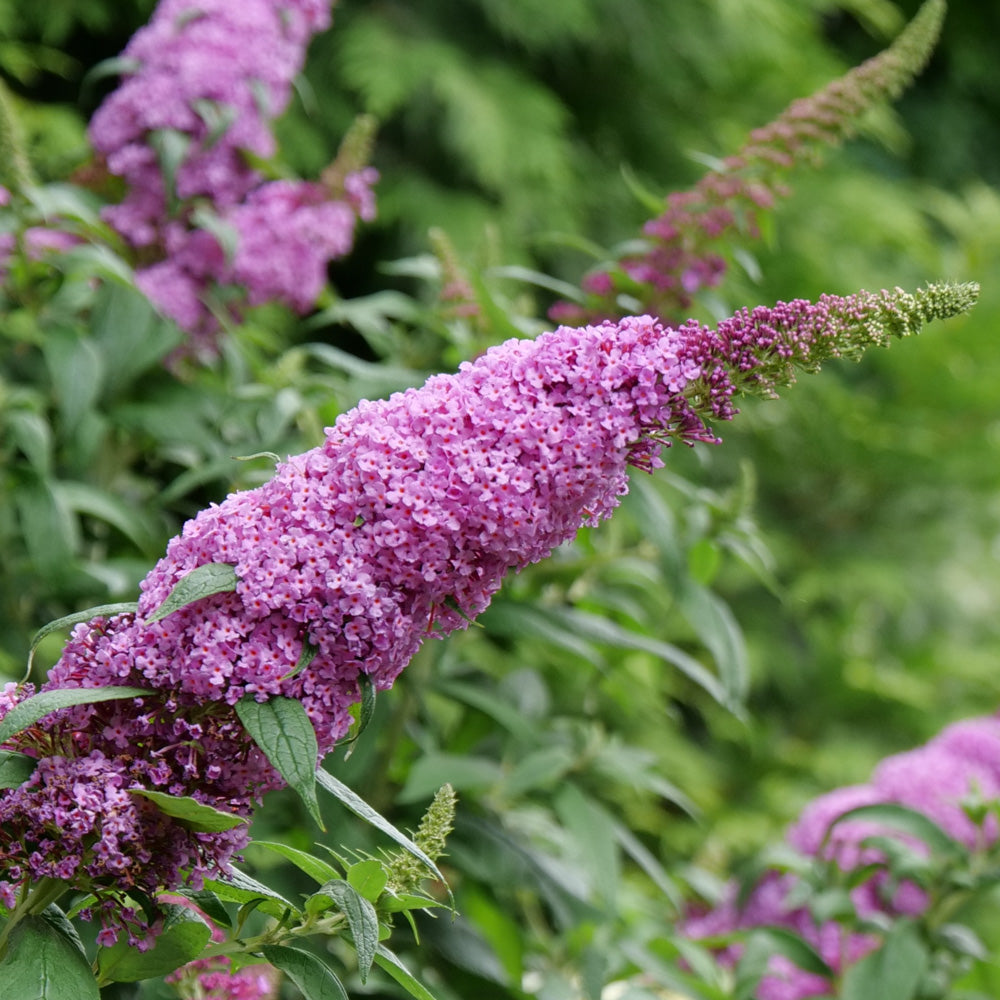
(361, 919)
(29, 711)
(360, 808)
(211, 578)
(388, 961)
(190, 813)
(68, 621)
(282, 730)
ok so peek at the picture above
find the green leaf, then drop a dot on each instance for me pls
(15, 768)
(190, 813)
(316, 868)
(361, 919)
(365, 715)
(210, 903)
(894, 972)
(211, 578)
(33, 435)
(360, 808)
(77, 372)
(68, 621)
(171, 147)
(282, 730)
(765, 942)
(182, 939)
(314, 979)
(43, 963)
(306, 656)
(386, 960)
(238, 887)
(369, 878)
(909, 821)
(29, 711)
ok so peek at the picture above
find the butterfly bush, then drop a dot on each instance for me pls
(203, 83)
(686, 245)
(401, 525)
(939, 780)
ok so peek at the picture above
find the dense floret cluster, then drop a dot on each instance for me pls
(401, 525)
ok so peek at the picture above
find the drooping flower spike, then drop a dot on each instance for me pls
(686, 244)
(401, 525)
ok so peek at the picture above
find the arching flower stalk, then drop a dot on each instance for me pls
(686, 245)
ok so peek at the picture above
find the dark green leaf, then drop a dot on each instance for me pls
(211, 578)
(361, 919)
(282, 730)
(43, 963)
(386, 960)
(316, 868)
(367, 711)
(306, 657)
(15, 768)
(29, 711)
(68, 621)
(182, 939)
(238, 887)
(360, 808)
(315, 980)
(209, 902)
(190, 813)
(894, 972)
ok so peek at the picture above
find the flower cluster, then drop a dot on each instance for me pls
(204, 82)
(401, 525)
(685, 244)
(938, 780)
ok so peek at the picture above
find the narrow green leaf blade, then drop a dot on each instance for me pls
(206, 580)
(386, 960)
(42, 963)
(307, 972)
(361, 919)
(191, 813)
(316, 868)
(282, 730)
(29, 711)
(361, 809)
(238, 887)
(68, 621)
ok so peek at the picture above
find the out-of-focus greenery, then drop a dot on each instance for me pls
(760, 622)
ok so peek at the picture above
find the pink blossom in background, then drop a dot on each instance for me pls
(936, 779)
(208, 80)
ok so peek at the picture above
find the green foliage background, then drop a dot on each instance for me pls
(833, 565)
